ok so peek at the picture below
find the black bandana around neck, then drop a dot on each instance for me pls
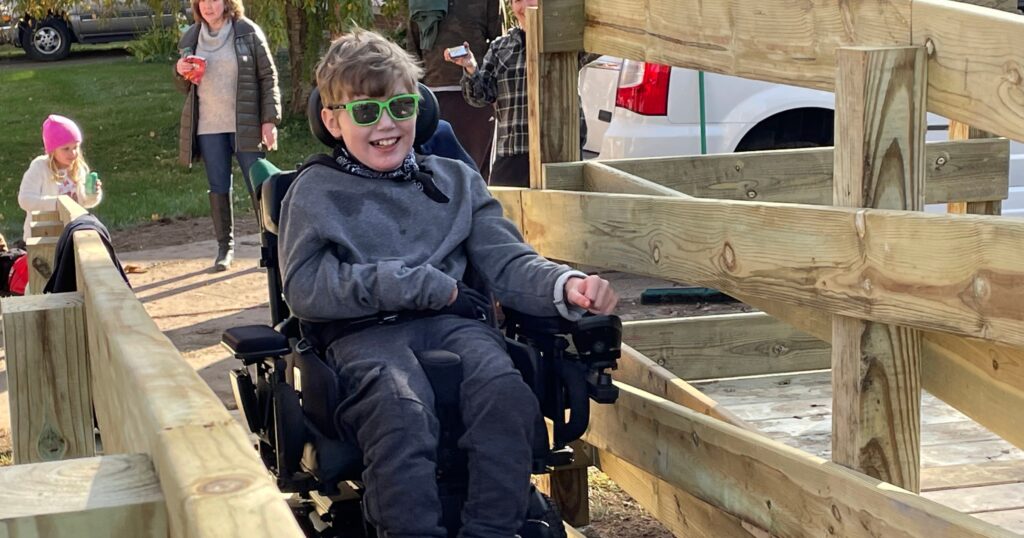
(410, 170)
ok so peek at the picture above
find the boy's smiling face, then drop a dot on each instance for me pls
(381, 146)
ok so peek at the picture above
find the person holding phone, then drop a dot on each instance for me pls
(471, 24)
(500, 80)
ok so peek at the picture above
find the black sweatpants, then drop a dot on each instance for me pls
(389, 410)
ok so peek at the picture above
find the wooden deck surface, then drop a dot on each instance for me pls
(964, 466)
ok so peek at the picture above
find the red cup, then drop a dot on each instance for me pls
(198, 69)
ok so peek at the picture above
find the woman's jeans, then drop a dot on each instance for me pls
(216, 150)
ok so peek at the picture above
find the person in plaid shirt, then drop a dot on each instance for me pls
(501, 81)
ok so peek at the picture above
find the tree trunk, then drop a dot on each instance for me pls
(298, 29)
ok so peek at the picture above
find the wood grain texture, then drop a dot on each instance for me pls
(780, 489)
(48, 372)
(976, 72)
(971, 171)
(561, 25)
(940, 272)
(879, 163)
(116, 495)
(151, 401)
(552, 103)
(787, 41)
(727, 345)
(554, 135)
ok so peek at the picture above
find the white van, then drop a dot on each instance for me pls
(637, 109)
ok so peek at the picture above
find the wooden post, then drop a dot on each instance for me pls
(41, 251)
(879, 152)
(554, 120)
(554, 124)
(48, 372)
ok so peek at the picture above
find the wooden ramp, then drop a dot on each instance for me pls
(963, 465)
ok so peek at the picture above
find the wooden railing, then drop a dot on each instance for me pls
(897, 299)
(174, 460)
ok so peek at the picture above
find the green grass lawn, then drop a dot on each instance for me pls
(129, 114)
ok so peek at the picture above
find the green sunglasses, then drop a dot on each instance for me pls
(368, 111)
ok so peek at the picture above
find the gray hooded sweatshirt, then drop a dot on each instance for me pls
(352, 247)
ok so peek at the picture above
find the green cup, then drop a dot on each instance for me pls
(90, 182)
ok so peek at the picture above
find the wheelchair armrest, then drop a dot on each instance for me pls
(253, 343)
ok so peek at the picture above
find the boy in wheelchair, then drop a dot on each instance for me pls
(374, 251)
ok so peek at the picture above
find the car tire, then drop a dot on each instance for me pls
(47, 41)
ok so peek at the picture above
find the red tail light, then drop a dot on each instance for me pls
(643, 88)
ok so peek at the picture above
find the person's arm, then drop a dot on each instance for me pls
(320, 283)
(270, 94)
(520, 278)
(180, 66)
(480, 82)
(30, 194)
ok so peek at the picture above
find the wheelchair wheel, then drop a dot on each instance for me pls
(543, 519)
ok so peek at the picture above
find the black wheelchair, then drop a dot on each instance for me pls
(287, 394)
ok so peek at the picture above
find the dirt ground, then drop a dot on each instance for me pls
(171, 260)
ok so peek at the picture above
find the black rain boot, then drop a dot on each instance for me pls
(223, 229)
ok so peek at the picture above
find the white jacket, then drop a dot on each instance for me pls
(39, 191)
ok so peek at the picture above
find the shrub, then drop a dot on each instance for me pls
(156, 45)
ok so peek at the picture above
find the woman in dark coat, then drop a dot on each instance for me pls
(233, 105)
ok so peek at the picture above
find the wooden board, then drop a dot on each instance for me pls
(726, 345)
(41, 251)
(149, 400)
(48, 371)
(861, 263)
(976, 72)
(778, 40)
(764, 482)
(972, 170)
(511, 203)
(879, 163)
(116, 495)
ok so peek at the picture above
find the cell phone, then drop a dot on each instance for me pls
(458, 52)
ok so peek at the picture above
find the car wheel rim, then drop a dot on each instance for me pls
(47, 40)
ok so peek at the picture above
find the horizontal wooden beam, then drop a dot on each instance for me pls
(681, 512)
(639, 371)
(728, 345)
(976, 65)
(116, 495)
(149, 400)
(972, 170)
(778, 488)
(861, 263)
(778, 41)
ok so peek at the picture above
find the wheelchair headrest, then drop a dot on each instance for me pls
(426, 118)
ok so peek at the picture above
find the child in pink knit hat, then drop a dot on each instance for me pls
(62, 170)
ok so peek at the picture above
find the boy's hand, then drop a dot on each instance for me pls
(467, 62)
(593, 293)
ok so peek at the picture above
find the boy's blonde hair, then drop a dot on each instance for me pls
(364, 63)
(78, 169)
(232, 8)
